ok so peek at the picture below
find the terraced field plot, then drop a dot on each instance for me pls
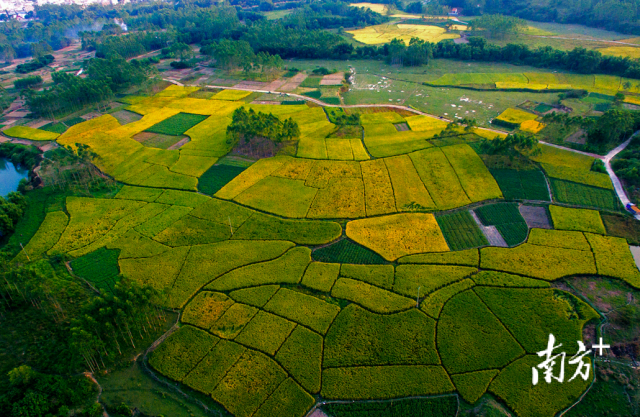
(334, 279)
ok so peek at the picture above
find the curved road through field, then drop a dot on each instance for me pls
(606, 159)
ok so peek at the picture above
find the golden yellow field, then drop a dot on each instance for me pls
(378, 8)
(622, 51)
(374, 35)
(398, 235)
(531, 126)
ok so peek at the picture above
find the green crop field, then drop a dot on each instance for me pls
(100, 268)
(584, 195)
(522, 185)
(461, 231)
(344, 273)
(507, 219)
(177, 125)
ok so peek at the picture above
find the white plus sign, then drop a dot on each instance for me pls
(600, 346)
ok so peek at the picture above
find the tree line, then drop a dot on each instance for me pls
(618, 15)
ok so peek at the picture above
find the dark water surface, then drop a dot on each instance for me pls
(10, 176)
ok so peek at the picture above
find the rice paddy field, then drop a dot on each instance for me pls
(374, 35)
(351, 270)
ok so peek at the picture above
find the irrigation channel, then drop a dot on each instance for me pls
(622, 195)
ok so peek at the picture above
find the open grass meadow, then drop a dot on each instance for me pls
(310, 274)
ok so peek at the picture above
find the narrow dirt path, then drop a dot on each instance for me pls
(95, 381)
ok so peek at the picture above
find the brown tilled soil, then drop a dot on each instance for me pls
(125, 116)
(332, 79)
(402, 127)
(156, 140)
(579, 137)
(293, 82)
(535, 217)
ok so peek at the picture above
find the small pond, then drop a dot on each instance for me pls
(10, 176)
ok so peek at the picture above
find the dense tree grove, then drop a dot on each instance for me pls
(11, 209)
(104, 78)
(249, 124)
(613, 127)
(72, 329)
(27, 82)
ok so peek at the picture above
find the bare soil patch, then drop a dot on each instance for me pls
(535, 217)
(293, 82)
(178, 145)
(260, 147)
(125, 116)
(579, 137)
(332, 79)
(156, 140)
(273, 103)
(401, 127)
(274, 85)
(38, 123)
(257, 85)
